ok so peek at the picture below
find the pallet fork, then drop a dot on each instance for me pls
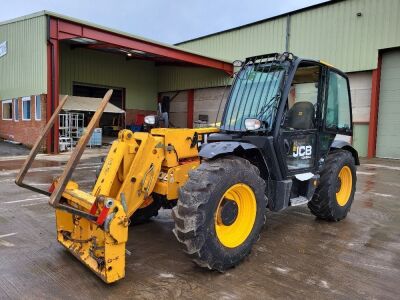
(94, 226)
(82, 218)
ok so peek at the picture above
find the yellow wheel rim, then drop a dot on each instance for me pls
(345, 185)
(235, 215)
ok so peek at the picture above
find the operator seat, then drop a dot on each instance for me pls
(300, 116)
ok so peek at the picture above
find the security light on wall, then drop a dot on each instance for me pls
(138, 52)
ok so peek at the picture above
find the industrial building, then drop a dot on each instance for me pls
(361, 37)
(45, 55)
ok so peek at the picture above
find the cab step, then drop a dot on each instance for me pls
(298, 201)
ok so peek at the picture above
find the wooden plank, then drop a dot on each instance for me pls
(78, 151)
(31, 157)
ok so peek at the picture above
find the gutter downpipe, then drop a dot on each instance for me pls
(51, 103)
(287, 41)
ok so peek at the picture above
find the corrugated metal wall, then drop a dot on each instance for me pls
(95, 67)
(333, 33)
(388, 141)
(248, 41)
(336, 34)
(172, 78)
(23, 69)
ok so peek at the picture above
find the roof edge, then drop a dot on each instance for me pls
(23, 18)
(115, 31)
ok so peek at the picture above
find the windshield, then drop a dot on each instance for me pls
(255, 94)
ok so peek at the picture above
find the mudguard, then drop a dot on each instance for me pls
(215, 149)
(338, 144)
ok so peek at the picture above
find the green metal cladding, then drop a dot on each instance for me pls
(243, 42)
(172, 78)
(333, 33)
(23, 69)
(95, 67)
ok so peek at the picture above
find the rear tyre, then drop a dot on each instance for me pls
(335, 194)
(220, 212)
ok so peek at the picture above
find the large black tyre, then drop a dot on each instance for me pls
(335, 193)
(201, 205)
(144, 214)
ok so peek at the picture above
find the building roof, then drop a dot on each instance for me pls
(86, 23)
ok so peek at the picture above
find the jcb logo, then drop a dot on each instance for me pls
(302, 151)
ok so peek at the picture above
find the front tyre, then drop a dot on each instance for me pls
(335, 194)
(220, 212)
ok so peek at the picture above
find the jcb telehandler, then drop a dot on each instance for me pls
(277, 146)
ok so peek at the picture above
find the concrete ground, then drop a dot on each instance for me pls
(296, 257)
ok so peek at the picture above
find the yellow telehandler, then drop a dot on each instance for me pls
(276, 147)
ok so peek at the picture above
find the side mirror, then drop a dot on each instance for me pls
(252, 124)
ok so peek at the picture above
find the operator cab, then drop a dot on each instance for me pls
(285, 111)
(301, 104)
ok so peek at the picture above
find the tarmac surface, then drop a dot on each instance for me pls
(296, 257)
(10, 149)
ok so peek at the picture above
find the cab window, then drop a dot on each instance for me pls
(303, 98)
(337, 117)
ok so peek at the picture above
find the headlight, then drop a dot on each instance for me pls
(252, 124)
(150, 120)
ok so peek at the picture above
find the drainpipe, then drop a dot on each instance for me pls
(50, 100)
(287, 42)
(52, 140)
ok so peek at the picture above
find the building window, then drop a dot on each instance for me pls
(26, 108)
(7, 110)
(16, 111)
(38, 108)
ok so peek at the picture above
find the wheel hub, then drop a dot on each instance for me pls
(344, 185)
(235, 215)
(229, 212)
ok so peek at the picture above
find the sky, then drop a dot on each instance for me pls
(168, 21)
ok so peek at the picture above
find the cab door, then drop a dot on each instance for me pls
(299, 128)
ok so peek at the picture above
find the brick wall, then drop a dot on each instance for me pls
(23, 131)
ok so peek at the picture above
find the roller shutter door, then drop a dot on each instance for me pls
(388, 139)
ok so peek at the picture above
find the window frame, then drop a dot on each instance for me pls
(15, 109)
(40, 110)
(338, 130)
(26, 99)
(2, 109)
